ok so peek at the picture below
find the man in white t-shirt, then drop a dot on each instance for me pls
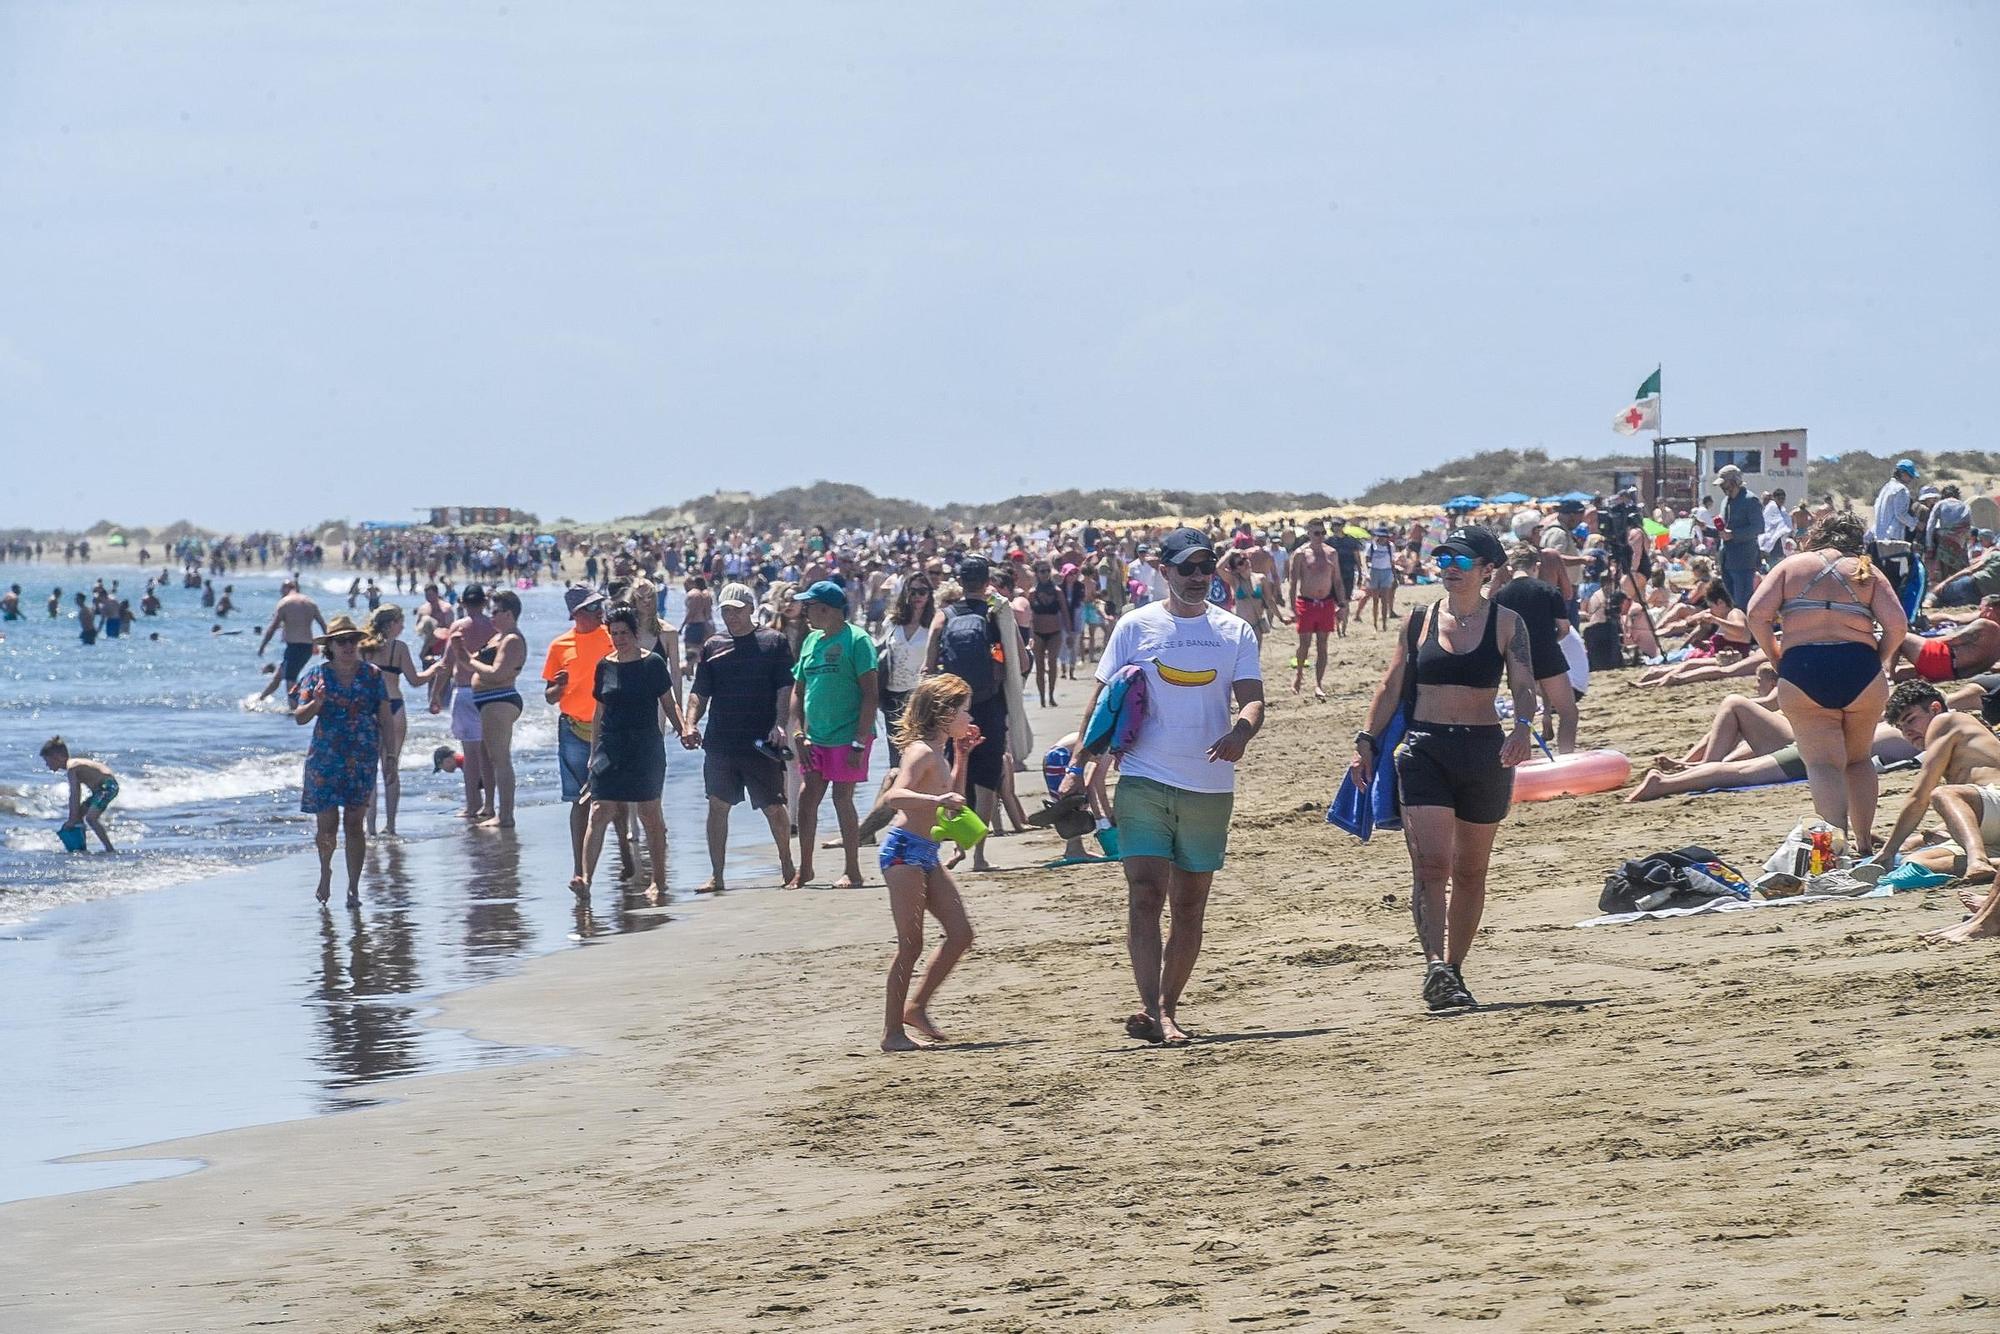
(1177, 781)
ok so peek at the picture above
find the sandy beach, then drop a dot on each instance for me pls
(1743, 1122)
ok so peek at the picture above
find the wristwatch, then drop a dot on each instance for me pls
(1368, 737)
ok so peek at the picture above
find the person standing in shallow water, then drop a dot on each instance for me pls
(345, 701)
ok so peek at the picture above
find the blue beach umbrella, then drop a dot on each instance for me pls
(1508, 498)
(1464, 503)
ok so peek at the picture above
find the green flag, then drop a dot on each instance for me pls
(1650, 389)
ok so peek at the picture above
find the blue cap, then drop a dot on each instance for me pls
(1181, 543)
(1904, 465)
(828, 593)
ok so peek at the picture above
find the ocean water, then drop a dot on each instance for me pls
(189, 983)
(208, 778)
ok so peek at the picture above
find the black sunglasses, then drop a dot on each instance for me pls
(1193, 567)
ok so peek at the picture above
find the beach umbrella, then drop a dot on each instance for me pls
(1356, 530)
(1464, 502)
(1508, 498)
(545, 541)
(1654, 528)
(1681, 530)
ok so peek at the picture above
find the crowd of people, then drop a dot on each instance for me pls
(792, 650)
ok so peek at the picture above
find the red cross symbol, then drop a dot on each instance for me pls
(1785, 453)
(1633, 417)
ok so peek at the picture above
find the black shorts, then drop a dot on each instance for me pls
(1545, 654)
(1455, 765)
(296, 658)
(727, 774)
(987, 765)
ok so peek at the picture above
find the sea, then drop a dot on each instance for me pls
(189, 984)
(208, 776)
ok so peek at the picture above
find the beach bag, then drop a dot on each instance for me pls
(1684, 878)
(965, 649)
(1121, 708)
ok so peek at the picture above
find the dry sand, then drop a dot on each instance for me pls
(1747, 1122)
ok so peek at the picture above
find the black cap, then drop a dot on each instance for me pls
(472, 593)
(1181, 543)
(1478, 543)
(974, 570)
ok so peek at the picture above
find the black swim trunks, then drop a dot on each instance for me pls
(1455, 765)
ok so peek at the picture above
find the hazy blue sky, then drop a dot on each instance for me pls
(267, 262)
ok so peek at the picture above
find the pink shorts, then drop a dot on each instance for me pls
(839, 764)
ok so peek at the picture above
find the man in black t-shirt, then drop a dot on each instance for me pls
(1543, 610)
(743, 682)
(1347, 548)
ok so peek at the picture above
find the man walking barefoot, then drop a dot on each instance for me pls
(833, 724)
(1178, 778)
(1319, 601)
(743, 683)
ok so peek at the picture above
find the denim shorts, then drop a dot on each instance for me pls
(900, 847)
(572, 758)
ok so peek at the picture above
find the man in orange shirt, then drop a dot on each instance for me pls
(570, 674)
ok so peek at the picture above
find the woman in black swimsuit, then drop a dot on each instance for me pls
(1453, 766)
(628, 749)
(385, 648)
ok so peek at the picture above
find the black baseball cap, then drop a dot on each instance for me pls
(1181, 543)
(1478, 543)
(472, 593)
(974, 570)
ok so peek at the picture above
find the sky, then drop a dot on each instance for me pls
(265, 264)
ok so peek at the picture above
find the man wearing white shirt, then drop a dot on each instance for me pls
(1177, 783)
(1889, 537)
(1777, 527)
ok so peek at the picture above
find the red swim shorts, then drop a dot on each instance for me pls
(1934, 661)
(1316, 614)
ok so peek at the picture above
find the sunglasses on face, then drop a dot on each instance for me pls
(1445, 562)
(1194, 567)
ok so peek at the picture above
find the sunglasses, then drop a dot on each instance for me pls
(1194, 567)
(1445, 562)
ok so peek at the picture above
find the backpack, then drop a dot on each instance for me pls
(1684, 878)
(965, 649)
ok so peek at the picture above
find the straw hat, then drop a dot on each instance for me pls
(340, 627)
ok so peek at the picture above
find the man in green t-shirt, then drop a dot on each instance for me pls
(833, 724)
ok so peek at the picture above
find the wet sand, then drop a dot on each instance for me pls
(1746, 1122)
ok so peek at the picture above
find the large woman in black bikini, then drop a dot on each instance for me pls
(1832, 665)
(1454, 766)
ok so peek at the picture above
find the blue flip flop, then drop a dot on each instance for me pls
(1912, 876)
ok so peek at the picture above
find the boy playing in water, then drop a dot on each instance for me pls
(94, 775)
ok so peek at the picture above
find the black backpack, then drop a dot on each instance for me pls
(965, 649)
(1662, 881)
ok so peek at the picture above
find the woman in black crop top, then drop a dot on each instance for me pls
(1454, 767)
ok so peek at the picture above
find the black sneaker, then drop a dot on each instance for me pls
(1437, 978)
(1454, 993)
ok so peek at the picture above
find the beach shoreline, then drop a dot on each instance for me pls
(1621, 1138)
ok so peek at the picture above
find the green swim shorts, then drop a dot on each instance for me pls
(1190, 829)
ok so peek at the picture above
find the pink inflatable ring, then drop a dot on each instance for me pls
(1574, 775)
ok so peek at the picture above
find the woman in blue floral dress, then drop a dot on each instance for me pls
(348, 704)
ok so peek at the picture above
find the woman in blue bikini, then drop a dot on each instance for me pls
(1833, 664)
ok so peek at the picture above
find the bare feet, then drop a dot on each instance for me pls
(1171, 1033)
(325, 890)
(579, 886)
(1667, 764)
(495, 823)
(801, 878)
(712, 885)
(1144, 1027)
(354, 898)
(1973, 902)
(852, 880)
(1971, 929)
(921, 1021)
(951, 862)
(980, 864)
(899, 1042)
(656, 895)
(1649, 788)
